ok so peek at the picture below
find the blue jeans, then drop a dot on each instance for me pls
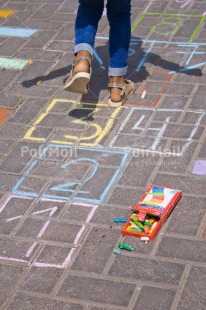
(118, 14)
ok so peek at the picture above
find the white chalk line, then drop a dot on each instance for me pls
(157, 140)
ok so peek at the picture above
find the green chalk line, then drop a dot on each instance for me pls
(173, 15)
(12, 63)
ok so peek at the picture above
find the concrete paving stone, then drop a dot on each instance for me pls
(7, 77)
(172, 102)
(188, 184)
(105, 158)
(105, 215)
(58, 45)
(202, 152)
(24, 302)
(186, 31)
(5, 147)
(139, 117)
(140, 247)
(58, 152)
(138, 144)
(188, 212)
(56, 171)
(10, 275)
(111, 292)
(41, 280)
(8, 101)
(97, 185)
(55, 231)
(53, 208)
(141, 269)
(14, 250)
(17, 19)
(198, 100)
(204, 233)
(138, 171)
(179, 89)
(182, 132)
(42, 92)
(193, 118)
(162, 115)
(54, 255)
(31, 185)
(38, 54)
(158, 6)
(12, 131)
(69, 6)
(62, 121)
(7, 182)
(42, 25)
(191, 250)
(154, 297)
(193, 294)
(10, 47)
(22, 6)
(77, 213)
(66, 33)
(19, 157)
(46, 11)
(40, 39)
(97, 308)
(42, 133)
(99, 244)
(175, 163)
(125, 196)
(65, 17)
(36, 71)
(27, 111)
(12, 212)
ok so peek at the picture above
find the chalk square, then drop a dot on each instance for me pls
(77, 121)
(199, 167)
(89, 189)
(165, 25)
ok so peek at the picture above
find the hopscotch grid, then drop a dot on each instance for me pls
(41, 232)
(152, 150)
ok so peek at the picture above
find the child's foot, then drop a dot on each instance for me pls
(80, 73)
(119, 89)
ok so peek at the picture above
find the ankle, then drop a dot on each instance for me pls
(116, 79)
(84, 53)
(83, 64)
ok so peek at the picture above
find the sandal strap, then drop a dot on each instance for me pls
(123, 87)
(76, 61)
(115, 85)
(80, 58)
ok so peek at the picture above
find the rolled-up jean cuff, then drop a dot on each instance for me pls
(117, 71)
(83, 47)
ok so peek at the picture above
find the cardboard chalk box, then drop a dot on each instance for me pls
(151, 212)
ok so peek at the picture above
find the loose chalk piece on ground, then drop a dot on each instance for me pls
(117, 251)
(145, 238)
(144, 94)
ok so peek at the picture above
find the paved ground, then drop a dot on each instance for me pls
(70, 165)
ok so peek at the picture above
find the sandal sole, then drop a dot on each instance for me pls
(79, 83)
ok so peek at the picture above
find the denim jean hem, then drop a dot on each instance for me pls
(83, 47)
(117, 71)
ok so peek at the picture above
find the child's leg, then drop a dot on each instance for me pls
(118, 13)
(88, 16)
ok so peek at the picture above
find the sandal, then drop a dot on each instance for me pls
(78, 82)
(124, 93)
